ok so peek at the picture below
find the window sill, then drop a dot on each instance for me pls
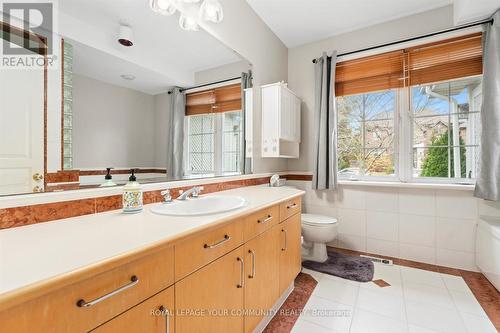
(435, 186)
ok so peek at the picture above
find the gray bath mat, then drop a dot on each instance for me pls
(343, 265)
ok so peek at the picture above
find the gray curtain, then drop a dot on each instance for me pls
(488, 178)
(175, 144)
(325, 122)
(246, 82)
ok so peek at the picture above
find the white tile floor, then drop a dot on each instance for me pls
(417, 301)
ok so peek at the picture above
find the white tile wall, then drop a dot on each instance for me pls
(426, 225)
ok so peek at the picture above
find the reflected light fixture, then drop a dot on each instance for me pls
(188, 23)
(211, 10)
(164, 7)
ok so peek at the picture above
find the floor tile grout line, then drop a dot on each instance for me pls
(404, 298)
(354, 307)
(455, 305)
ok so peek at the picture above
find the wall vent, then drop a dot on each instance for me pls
(379, 260)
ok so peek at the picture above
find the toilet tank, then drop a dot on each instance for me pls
(488, 248)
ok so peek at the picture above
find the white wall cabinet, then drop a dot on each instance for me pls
(280, 121)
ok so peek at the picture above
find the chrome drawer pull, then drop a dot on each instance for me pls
(242, 273)
(211, 246)
(291, 206)
(251, 276)
(266, 219)
(83, 304)
(163, 310)
(284, 248)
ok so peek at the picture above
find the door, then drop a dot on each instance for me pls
(154, 315)
(211, 299)
(261, 274)
(290, 256)
(21, 129)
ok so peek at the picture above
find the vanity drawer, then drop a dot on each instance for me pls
(289, 208)
(197, 251)
(260, 221)
(86, 304)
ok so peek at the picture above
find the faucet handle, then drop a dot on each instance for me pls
(166, 196)
(197, 190)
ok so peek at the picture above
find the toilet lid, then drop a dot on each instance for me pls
(316, 219)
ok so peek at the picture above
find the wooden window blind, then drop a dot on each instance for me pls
(223, 99)
(446, 60)
(433, 62)
(379, 72)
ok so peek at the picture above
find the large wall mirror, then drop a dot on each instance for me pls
(166, 102)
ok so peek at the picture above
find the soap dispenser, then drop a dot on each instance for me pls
(108, 179)
(132, 195)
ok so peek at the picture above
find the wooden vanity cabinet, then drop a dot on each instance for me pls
(224, 279)
(211, 299)
(88, 303)
(262, 276)
(154, 315)
(290, 256)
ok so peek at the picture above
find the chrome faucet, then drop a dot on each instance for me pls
(193, 192)
(167, 198)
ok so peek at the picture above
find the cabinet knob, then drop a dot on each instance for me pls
(37, 189)
(37, 177)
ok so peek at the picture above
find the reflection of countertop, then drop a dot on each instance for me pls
(39, 253)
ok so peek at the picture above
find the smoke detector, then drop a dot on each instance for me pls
(125, 36)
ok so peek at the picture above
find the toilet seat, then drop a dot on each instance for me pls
(316, 220)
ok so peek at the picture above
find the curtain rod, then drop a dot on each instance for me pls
(207, 84)
(465, 26)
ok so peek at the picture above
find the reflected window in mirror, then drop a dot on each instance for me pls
(214, 132)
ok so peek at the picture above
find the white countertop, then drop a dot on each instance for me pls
(39, 252)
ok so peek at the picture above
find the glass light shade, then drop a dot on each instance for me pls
(164, 7)
(189, 1)
(211, 10)
(188, 23)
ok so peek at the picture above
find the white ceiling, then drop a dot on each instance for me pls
(163, 54)
(298, 22)
(465, 11)
(105, 67)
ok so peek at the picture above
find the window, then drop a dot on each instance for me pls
(201, 144)
(412, 114)
(445, 129)
(232, 142)
(366, 134)
(214, 132)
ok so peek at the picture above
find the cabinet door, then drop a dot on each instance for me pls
(154, 315)
(296, 122)
(262, 276)
(211, 299)
(290, 256)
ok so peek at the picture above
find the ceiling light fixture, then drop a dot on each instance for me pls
(188, 23)
(164, 7)
(211, 10)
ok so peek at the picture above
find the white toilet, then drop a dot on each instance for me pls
(317, 231)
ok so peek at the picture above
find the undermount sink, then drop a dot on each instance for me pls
(200, 206)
